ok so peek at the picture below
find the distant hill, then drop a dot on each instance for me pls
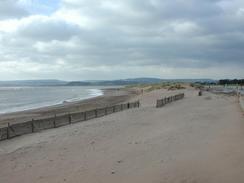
(78, 83)
(191, 80)
(129, 81)
(126, 81)
(50, 82)
(135, 81)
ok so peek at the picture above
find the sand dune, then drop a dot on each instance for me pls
(194, 140)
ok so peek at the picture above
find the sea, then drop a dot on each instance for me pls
(13, 99)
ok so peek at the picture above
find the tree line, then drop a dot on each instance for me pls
(231, 82)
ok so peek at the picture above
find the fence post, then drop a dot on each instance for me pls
(32, 125)
(70, 118)
(54, 122)
(120, 108)
(95, 113)
(8, 131)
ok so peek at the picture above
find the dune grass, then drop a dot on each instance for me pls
(157, 86)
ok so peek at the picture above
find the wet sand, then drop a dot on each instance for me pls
(194, 140)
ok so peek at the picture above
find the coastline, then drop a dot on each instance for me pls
(111, 96)
(25, 106)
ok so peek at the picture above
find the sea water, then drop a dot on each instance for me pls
(14, 99)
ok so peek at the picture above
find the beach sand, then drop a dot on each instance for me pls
(241, 101)
(194, 140)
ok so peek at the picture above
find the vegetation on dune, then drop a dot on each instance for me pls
(197, 86)
(176, 87)
(157, 86)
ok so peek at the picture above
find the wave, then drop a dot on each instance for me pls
(92, 93)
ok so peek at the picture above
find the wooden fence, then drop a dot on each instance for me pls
(166, 100)
(14, 130)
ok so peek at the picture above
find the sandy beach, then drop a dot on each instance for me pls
(194, 140)
(110, 97)
(241, 101)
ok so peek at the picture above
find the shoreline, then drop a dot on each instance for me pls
(111, 96)
(54, 104)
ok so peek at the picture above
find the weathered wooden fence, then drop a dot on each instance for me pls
(166, 100)
(14, 130)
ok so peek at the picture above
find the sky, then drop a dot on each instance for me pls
(113, 39)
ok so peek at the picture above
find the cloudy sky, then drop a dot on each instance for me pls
(111, 39)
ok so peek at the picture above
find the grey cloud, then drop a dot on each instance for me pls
(43, 29)
(11, 9)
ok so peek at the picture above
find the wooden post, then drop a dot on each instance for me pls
(70, 118)
(32, 125)
(54, 122)
(95, 113)
(121, 107)
(162, 102)
(8, 131)
(157, 104)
